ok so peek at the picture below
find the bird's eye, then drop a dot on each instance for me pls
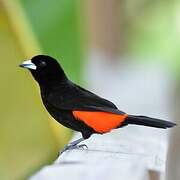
(42, 64)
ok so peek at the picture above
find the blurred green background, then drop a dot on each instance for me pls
(28, 139)
(56, 25)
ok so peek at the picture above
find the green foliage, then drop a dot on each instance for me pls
(26, 138)
(26, 141)
(56, 26)
(152, 31)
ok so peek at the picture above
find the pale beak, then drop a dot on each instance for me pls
(28, 64)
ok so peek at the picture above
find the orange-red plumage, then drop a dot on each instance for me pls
(62, 98)
(101, 122)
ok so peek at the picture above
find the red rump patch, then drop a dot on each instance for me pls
(101, 122)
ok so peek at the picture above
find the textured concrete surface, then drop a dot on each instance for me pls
(111, 156)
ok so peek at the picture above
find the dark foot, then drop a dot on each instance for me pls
(82, 146)
(72, 146)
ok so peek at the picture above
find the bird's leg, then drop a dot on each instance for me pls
(74, 145)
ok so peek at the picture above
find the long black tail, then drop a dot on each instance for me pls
(147, 121)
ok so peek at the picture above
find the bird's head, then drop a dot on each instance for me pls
(44, 68)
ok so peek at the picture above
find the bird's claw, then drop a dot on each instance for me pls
(72, 146)
(82, 146)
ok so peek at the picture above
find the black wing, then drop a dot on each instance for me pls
(73, 97)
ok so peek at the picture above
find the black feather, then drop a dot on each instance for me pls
(147, 121)
(61, 97)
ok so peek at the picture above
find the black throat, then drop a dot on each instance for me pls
(50, 80)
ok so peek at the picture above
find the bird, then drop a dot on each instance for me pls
(77, 108)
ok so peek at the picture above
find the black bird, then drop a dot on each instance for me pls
(78, 108)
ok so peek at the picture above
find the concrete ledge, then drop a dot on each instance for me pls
(111, 156)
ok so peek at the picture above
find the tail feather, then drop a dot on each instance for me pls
(147, 121)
